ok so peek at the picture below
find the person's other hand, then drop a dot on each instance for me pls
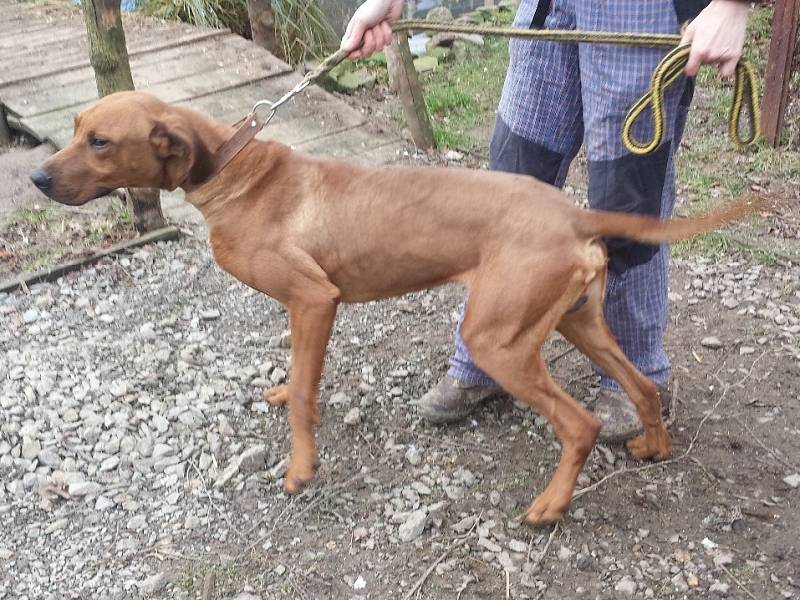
(369, 31)
(717, 36)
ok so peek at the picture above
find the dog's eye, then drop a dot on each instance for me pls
(98, 143)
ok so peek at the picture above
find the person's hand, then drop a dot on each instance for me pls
(717, 36)
(368, 31)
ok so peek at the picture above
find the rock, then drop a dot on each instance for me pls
(584, 561)
(109, 464)
(744, 350)
(56, 526)
(50, 458)
(103, 503)
(723, 558)
(30, 449)
(148, 331)
(137, 523)
(489, 545)
(413, 456)
(209, 315)
(626, 586)
(564, 553)
(253, 459)
(230, 471)
(153, 584)
(679, 583)
(353, 416)
(506, 562)
(730, 303)
(413, 526)
(424, 64)
(518, 546)
(712, 342)
(792, 480)
(277, 376)
(30, 316)
(359, 583)
(83, 488)
(353, 80)
(439, 14)
(191, 522)
(719, 588)
(118, 388)
(454, 492)
(454, 155)
(465, 524)
(339, 399)
(494, 497)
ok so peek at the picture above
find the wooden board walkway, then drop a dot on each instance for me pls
(45, 78)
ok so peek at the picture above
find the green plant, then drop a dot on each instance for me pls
(218, 14)
(300, 25)
(302, 29)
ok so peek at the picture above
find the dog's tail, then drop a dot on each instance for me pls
(652, 230)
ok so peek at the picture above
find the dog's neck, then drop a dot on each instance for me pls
(257, 160)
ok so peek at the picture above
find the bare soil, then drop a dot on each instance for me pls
(36, 232)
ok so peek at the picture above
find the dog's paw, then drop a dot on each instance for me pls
(654, 444)
(298, 476)
(545, 509)
(278, 395)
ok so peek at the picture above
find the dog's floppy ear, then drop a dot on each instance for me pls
(185, 157)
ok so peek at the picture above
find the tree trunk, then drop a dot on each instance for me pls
(5, 131)
(782, 49)
(108, 56)
(403, 78)
(262, 25)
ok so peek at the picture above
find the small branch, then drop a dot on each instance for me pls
(739, 583)
(772, 452)
(541, 556)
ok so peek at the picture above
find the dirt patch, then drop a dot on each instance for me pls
(36, 232)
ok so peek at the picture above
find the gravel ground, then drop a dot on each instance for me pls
(137, 458)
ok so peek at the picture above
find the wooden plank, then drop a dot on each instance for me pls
(43, 64)
(779, 69)
(30, 42)
(229, 60)
(314, 114)
(346, 144)
(52, 273)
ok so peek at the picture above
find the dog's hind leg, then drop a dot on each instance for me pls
(587, 329)
(504, 330)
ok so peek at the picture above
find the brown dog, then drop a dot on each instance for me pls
(313, 233)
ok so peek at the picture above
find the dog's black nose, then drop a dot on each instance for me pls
(42, 180)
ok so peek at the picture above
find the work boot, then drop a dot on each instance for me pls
(619, 417)
(451, 400)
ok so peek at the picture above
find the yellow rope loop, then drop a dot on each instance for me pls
(745, 95)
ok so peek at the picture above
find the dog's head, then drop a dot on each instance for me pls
(128, 139)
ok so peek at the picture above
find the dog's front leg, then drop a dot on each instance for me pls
(311, 327)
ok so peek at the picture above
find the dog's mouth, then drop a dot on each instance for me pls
(73, 200)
